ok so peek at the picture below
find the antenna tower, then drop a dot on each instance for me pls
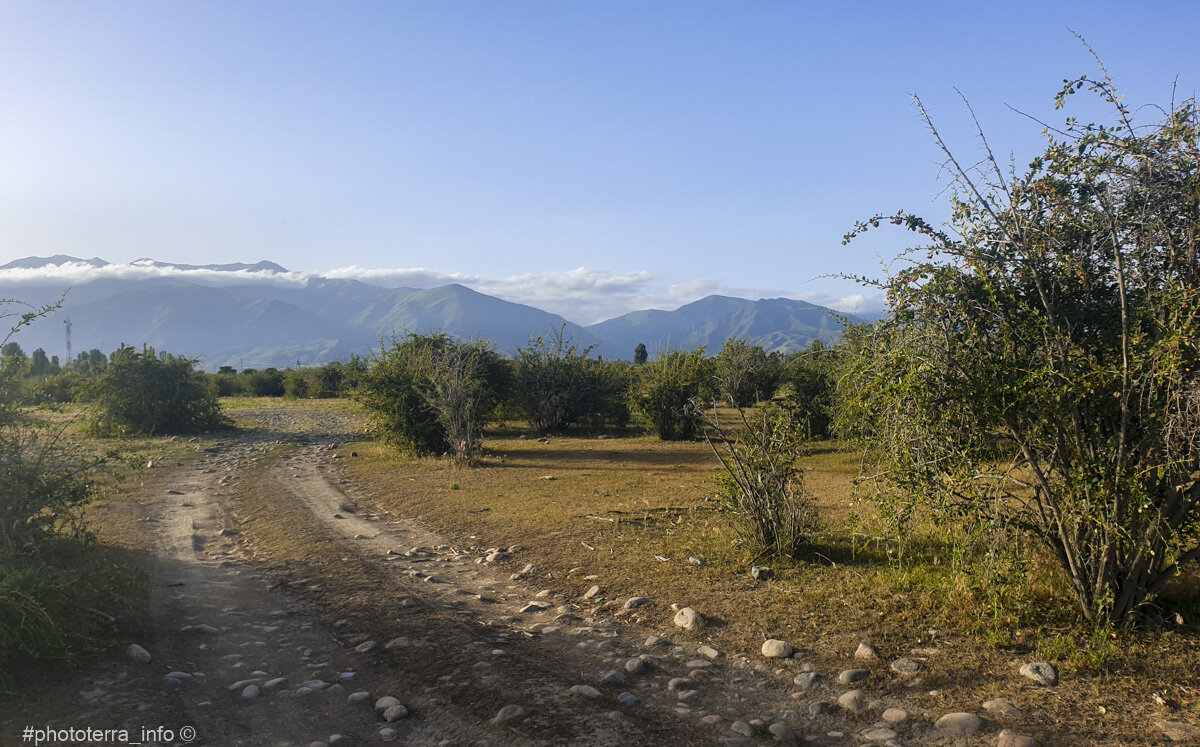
(67, 323)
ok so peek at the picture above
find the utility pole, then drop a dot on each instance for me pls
(67, 322)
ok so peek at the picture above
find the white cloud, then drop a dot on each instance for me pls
(582, 295)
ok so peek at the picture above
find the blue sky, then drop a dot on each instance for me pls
(587, 157)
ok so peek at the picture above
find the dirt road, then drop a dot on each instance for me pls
(284, 608)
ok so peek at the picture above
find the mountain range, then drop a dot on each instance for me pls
(257, 315)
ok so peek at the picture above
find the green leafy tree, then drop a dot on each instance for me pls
(664, 390)
(640, 356)
(556, 384)
(1039, 367)
(809, 380)
(148, 392)
(743, 373)
(39, 364)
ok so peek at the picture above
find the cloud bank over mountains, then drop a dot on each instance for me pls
(582, 295)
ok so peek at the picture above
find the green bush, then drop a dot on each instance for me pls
(664, 390)
(556, 385)
(808, 385)
(151, 393)
(744, 374)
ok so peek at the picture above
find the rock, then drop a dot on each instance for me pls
(1041, 672)
(850, 676)
(773, 648)
(251, 691)
(904, 665)
(303, 692)
(1178, 731)
(878, 734)
(627, 698)
(508, 713)
(612, 678)
(807, 679)
(172, 683)
(364, 647)
(1001, 708)
(865, 652)
(782, 733)
(761, 572)
(895, 716)
(689, 619)
(138, 654)
(686, 695)
(636, 666)
(497, 556)
(401, 642)
(958, 724)
(741, 727)
(273, 683)
(696, 561)
(679, 683)
(654, 640)
(1009, 738)
(387, 734)
(586, 691)
(387, 701)
(635, 602)
(708, 651)
(359, 697)
(853, 701)
(591, 592)
(819, 708)
(394, 713)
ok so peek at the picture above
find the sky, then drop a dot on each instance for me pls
(589, 158)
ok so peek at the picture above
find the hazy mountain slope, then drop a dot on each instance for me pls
(775, 323)
(32, 263)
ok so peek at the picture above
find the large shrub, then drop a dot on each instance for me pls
(429, 394)
(152, 393)
(808, 383)
(664, 389)
(1040, 364)
(744, 374)
(555, 385)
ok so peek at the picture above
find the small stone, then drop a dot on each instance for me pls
(782, 733)
(761, 572)
(586, 691)
(636, 666)
(689, 619)
(773, 648)
(387, 701)
(359, 697)
(1009, 738)
(401, 642)
(1178, 731)
(251, 691)
(850, 676)
(627, 698)
(1001, 708)
(172, 683)
(635, 602)
(508, 713)
(819, 708)
(1041, 672)
(386, 734)
(679, 683)
(273, 683)
(741, 727)
(958, 724)
(591, 592)
(394, 713)
(853, 701)
(303, 692)
(686, 695)
(878, 734)
(708, 651)
(711, 719)
(336, 739)
(865, 652)
(807, 679)
(138, 654)
(612, 678)
(904, 665)
(364, 647)
(654, 640)
(895, 716)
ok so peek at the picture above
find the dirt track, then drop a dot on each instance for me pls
(265, 565)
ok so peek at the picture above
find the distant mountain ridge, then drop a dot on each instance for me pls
(268, 318)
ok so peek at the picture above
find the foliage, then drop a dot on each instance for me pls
(1039, 366)
(640, 356)
(810, 377)
(744, 374)
(57, 388)
(664, 389)
(555, 385)
(762, 487)
(429, 394)
(153, 393)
